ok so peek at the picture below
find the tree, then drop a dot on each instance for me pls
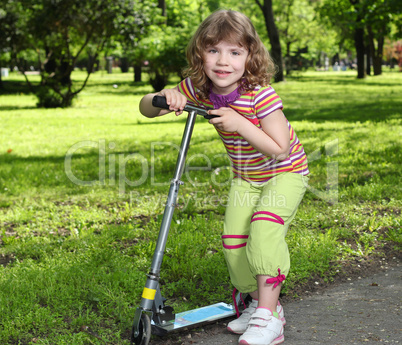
(303, 37)
(5, 23)
(132, 31)
(273, 34)
(358, 35)
(12, 20)
(368, 22)
(378, 19)
(165, 45)
(60, 31)
(347, 20)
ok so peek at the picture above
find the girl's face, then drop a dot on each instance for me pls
(224, 64)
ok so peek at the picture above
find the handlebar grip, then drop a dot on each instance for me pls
(160, 102)
(209, 117)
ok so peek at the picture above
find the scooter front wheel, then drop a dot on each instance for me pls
(144, 328)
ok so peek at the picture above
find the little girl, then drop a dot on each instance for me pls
(229, 73)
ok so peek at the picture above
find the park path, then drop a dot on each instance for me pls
(360, 311)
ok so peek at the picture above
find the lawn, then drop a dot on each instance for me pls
(83, 192)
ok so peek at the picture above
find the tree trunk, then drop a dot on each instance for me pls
(65, 71)
(273, 34)
(91, 61)
(368, 59)
(137, 72)
(377, 62)
(162, 6)
(61, 70)
(359, 41)
(376, 54)
(359, 45)
(124, 65)
(50, 63)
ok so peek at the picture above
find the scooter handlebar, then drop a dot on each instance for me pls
(160, 102)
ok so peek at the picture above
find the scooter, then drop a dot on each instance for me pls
(153, 316)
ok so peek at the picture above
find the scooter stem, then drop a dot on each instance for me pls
(152, 284)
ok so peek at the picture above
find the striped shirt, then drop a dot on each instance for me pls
(248, 163)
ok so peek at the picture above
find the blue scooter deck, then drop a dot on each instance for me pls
(198, 316)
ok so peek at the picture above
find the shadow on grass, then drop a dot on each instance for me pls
(11, 108)
(125, 92)
(117, 82)
(350, 112)
(15, 159)
(82, 170)
(343, 80)
(122, 88)
(346, 108)
(13, 87)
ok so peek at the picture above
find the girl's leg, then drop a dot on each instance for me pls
(268, 254)
(241, 204)
(267, 295)
(267, 250)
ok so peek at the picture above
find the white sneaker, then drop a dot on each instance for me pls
(239, 325)
(281, 313)
(263, 329)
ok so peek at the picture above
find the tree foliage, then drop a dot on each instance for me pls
(165, 45)
(12, 29)
(303, 37)
(273, 34)
(54, 34)
(59, 31)
(164, 50)
(367, 22)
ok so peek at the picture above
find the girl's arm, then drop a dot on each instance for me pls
(174, 98)
(273, 140)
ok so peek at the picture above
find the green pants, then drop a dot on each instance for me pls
(256, 221)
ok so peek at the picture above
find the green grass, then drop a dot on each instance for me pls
(83, 192)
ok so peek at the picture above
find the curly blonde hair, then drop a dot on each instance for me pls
(235, 28)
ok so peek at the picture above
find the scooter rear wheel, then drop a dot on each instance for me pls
(144, 335)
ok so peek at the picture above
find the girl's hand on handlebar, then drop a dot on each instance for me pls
(228, 121)
(176, 100)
